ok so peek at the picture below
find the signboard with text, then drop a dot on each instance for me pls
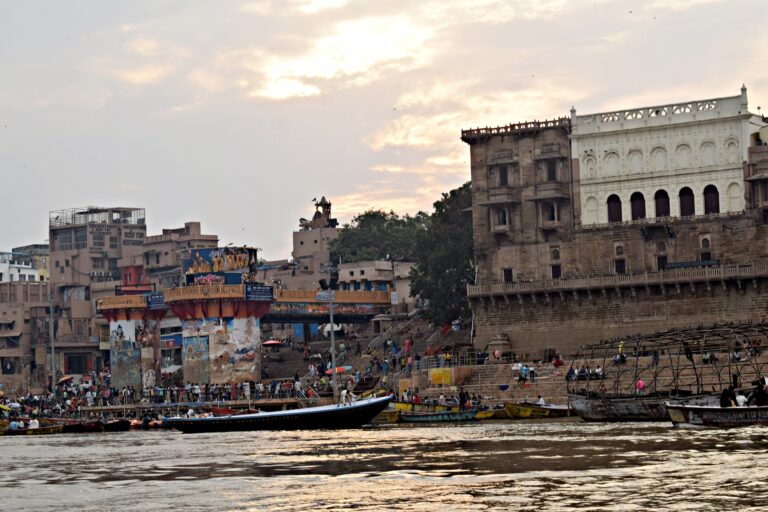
(258, 292)
(155, 301)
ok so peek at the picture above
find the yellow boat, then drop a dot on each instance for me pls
(493, 414)
(55, 429)
(530, 410)
(409, 407)
(485, 415)
(387, 416)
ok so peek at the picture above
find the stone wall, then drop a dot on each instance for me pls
(537, 322)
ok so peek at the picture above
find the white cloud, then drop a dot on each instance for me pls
(258, 8)
(316, 6)
(281, 88)
(680, 5)
(356, 52)
(143, 75)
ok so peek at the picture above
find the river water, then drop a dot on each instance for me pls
(512, 465)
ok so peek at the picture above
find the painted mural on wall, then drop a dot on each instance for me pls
(233, 347)
(210, 266)
(125, 355)
(194, 358)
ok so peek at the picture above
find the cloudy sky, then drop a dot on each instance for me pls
(238, 114)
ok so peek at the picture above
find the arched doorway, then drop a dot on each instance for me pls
(614, 208)
(687, 203)
(661, 199)
(711, 200)
(637, 204)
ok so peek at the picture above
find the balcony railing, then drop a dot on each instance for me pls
(693, 275)
(552, 189)
(121, 302)
(665, 220)
(529, 126)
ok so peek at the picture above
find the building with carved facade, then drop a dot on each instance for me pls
(617, 223)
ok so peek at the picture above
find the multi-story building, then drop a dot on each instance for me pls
(311, 251)
(653, 219)
(86, 245)
(159, 262)
(22, 351)
(18, 267)
(37, 255)
(379, 275)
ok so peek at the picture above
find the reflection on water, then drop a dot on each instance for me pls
(481, 466)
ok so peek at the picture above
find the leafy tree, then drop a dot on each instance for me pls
(439, 244)
(443, 255)
(374, 234)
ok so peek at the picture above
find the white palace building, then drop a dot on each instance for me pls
(664, 161)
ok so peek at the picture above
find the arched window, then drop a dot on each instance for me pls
(711, 199)
(736, 199)
(661, 198)
(637, 202)
(614, 208)
(687, 204)
(591, 208)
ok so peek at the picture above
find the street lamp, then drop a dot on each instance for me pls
(329, 296)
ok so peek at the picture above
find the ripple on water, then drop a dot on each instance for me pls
(482, 466)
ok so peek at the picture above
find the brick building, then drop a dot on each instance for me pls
(23, 328)
(85, 247)
(616, 223)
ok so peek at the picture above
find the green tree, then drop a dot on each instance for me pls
(443, 257)
(375, 234)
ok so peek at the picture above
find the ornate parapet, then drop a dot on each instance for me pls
(481, 134)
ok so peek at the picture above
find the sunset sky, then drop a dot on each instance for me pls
(237, 114)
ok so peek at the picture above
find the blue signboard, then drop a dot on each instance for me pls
(155, 301)
(258, 292)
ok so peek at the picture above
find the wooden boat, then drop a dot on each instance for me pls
(421, 407)
(82, 427)
(531, 410)
(438, 417)
(54, 429)
(636, 408)
(485, 415)
(712, 416)
(387, 416)
(335, 416)
(227, 411)
(117, 425)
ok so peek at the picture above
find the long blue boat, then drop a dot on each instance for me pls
(339, 416)
(438, 417)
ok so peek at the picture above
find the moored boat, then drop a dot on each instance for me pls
(81, 427)
(334, 416)
(39, 431)
(532, 410)
(422, 407)
(117, 425)
(438, 417)
(635, 408)
(387, 416)
(485, 415)
(715, 416)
